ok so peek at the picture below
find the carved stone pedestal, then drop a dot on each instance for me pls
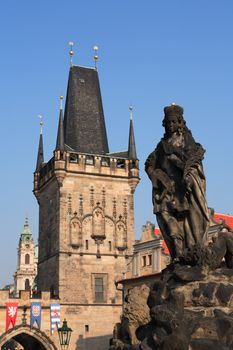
(190, 309)
(207, 310)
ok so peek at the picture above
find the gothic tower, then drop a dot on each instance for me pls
(24, 277)
(86, 204)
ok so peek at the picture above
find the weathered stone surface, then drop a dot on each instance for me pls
(204, 344)
(224, 293)
(185, 315)
(221, 274)
(136, 313)
(188, 273)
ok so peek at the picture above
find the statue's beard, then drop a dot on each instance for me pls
(176, 139)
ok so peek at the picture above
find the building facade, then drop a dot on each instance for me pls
(150, 253)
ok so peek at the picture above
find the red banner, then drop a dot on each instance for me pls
(11, 314)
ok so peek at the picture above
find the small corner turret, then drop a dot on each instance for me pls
(132, 154)
(59, 153)
(60, 145)
(40, 160)
(40, 153)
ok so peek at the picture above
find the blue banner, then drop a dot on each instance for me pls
(35, 314)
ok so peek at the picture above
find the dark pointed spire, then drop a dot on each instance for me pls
(40, 154)
(132, 154)
(60, 145)
(84, 124)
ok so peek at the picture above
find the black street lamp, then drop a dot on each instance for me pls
(64, 333)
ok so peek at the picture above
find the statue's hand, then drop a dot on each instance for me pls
(178, 163)
(162, 182)
(172, 157)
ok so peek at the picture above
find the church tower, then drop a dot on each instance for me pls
(86, 206)
(24, 277)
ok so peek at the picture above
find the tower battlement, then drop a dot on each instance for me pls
(92, 164)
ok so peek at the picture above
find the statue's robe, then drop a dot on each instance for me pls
(181, 211)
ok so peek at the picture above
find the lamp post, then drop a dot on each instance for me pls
(64, 333)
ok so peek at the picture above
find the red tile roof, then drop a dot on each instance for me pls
(228, 219)
(158, 233)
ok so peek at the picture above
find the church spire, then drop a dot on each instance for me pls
(84, 124)
(40, 154)
(60, 131)
(26, 234)
(132, 154)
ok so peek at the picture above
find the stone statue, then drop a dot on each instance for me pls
(176, 172)
(190, 306)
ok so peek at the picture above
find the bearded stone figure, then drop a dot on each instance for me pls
(176, 172)
(191, 303)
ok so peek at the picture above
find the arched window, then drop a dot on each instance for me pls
(27, 259)
(27, 284)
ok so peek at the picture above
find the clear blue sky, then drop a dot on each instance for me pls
(151, 53)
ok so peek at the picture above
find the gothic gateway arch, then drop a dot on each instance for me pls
(29, 338)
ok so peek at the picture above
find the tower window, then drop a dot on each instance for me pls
(150, 260)
(86, 328)
(27, 259)
(73, 158)
(99, 289)
(144, 261)
(120, 163)
(90, 160)
(105, 161)
(110, 246)
(27, 284)
(86, 244)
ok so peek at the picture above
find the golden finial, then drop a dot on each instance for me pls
(131, 111)
(41, 123)
(96, 57)
(61, 99)
(71, 43)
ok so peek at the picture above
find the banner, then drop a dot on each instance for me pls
(55, 316)
(11, 314)
(35, 314)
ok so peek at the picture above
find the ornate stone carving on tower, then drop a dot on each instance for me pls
(24, 277)
(86, 215)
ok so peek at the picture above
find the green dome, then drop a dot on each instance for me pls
(26, 235)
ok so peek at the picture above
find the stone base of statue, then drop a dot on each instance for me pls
(190, 308)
